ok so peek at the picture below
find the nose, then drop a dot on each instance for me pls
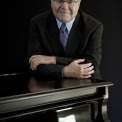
(64, 4)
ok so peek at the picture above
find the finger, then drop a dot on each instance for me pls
(29, 60)
(33, 57)
(33, 64)
(86, 70)
(91, 72)
(30, 65)
(86, 65)
(79, 61)
(90, 68)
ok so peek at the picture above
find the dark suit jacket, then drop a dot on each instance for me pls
(84, 42)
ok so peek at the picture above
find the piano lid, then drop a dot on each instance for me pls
(24, 83)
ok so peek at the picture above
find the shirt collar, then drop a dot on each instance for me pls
(68, 24)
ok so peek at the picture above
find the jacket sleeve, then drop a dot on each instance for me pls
(93, 52)
(34, 48)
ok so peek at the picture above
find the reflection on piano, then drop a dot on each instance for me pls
(23, 95)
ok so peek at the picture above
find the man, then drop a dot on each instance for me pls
(79, 56)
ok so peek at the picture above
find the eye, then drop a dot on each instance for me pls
(60, 1)
(72, 2)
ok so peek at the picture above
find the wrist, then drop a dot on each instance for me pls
(53, 60)
(65, 72)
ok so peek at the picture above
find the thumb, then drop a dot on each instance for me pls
(78, 61)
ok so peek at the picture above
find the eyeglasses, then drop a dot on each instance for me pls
(70, 2)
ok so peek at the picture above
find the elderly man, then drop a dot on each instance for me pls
(65, 42)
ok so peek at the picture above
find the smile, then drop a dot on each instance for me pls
(65, 12)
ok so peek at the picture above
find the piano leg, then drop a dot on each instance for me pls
(101, 115)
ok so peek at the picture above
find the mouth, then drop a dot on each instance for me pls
(64, 12)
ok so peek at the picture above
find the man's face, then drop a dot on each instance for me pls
(65, 10)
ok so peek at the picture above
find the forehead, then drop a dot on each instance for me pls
(66, 0)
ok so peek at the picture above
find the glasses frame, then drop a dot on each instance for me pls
(60, 2)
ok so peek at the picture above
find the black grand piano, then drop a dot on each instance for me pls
(24, 96)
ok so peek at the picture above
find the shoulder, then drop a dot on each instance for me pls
(41, 18)
(90, 23)
(90, 19)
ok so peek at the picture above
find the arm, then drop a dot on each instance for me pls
(92, 55)
(36, 46)
(66, 64)
(76, 69)
(46, 64)
(93, 52)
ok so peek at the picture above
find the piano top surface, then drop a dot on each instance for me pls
(24, 83)
(21, 90)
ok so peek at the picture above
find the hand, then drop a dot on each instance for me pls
(41, 59)
(78, 69)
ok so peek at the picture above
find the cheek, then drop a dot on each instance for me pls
(55, 9)
(75, 10)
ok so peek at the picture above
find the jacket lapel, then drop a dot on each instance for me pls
(53, 36)
(76, 38)
(75, 41)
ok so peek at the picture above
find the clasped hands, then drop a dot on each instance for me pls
(76, 69)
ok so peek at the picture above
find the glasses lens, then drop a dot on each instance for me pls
(69, 1)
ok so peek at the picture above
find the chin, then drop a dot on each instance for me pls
(64, 19)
